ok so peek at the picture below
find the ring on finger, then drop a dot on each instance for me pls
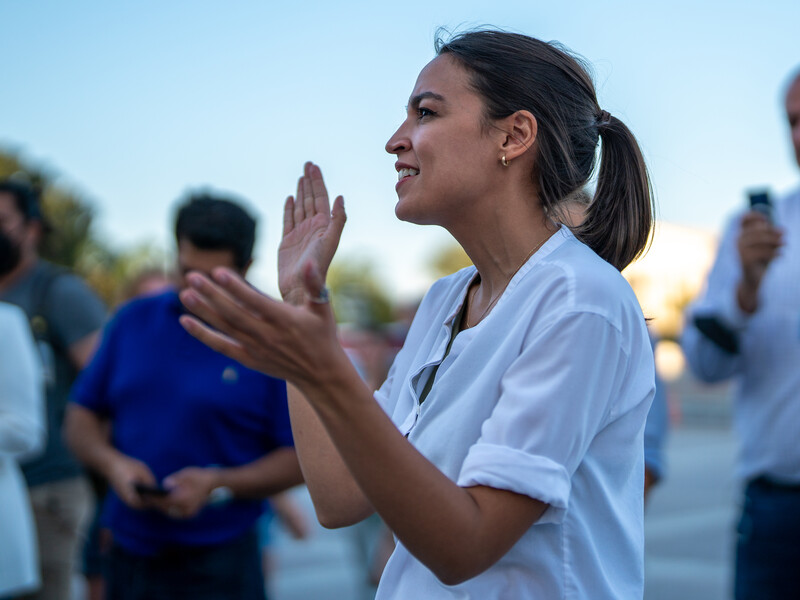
(323, 297)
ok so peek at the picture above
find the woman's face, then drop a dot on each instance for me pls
(445, 158)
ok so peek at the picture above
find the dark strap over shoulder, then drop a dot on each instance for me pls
(40, 325)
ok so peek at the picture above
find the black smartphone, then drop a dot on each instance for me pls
(760, 202)
(144, 489)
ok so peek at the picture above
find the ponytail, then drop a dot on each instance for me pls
(619, 219)
(514, 72)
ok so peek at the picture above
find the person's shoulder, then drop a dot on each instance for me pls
(574, 278)
(147, 305)
(574, 264)
(62, 283)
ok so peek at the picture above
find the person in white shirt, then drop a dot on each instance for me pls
(746, 326)
(22, 433)
(505, 448)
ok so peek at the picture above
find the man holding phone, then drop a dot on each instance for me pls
(746, 325)
(198, 440)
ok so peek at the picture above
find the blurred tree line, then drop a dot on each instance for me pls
(73, 242)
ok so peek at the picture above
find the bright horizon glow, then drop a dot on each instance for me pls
(137, 103)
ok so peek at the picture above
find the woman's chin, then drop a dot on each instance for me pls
(408, 213)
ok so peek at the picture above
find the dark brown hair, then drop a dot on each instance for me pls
(514, 72)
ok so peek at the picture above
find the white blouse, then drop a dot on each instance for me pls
(547, 397)
(22, 432)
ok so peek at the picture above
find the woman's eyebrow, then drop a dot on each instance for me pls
(415, 100)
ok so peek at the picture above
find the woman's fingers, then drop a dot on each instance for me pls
(318, 190)
(314, 284)
(299, 210)
(215, 340)
(288, 216)
(309, 190)
(215, 306)
(338, 217)
(260, 305)
(334, 231)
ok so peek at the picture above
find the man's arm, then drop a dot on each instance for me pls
(190, 489)
(81, 352)
(77, 316)
(745, 253)
(708, 360)
(87, 436)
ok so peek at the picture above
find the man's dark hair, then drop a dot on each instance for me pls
(211, 222)
(25, 197)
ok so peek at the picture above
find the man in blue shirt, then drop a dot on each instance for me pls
(197, 441)
(746, 326)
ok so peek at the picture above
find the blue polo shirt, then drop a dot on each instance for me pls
(174, 403)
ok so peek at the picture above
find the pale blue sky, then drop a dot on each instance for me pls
(135, 102)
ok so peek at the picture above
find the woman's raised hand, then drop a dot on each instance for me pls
(296, 343)
(311, 232)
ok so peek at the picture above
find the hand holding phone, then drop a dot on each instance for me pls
(760, 202)
(144, 489)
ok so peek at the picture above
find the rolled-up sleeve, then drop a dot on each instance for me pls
(707, 360)
(555, 397)
(90, 389)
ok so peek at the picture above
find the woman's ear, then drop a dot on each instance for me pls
(520, 131)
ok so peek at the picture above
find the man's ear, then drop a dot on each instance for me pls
(520, 131)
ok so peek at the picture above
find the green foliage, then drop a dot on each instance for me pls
(358, 295)
(71, 240)
(70, 218)
(448, 260)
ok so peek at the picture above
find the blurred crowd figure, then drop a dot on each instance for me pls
(22, 431)
(198, 441)
(146, 282)
(372, 348)
(746, 326)
(65, 317)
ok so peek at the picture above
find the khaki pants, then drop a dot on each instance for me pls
(62, 510)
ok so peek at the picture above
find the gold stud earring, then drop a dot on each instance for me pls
(504, 161)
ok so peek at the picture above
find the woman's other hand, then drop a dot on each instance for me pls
(311, 232)
(296, 343)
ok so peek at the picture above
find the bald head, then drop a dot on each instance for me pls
(793, 114)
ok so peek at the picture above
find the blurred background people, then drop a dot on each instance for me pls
(65, 317)
(371, 351)
(655, 435)
(746, 325)
(146, 282)
(22, 431)
(198, 441)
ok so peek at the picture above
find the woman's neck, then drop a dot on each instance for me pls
(499, 248)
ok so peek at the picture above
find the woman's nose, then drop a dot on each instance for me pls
(398, 143)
